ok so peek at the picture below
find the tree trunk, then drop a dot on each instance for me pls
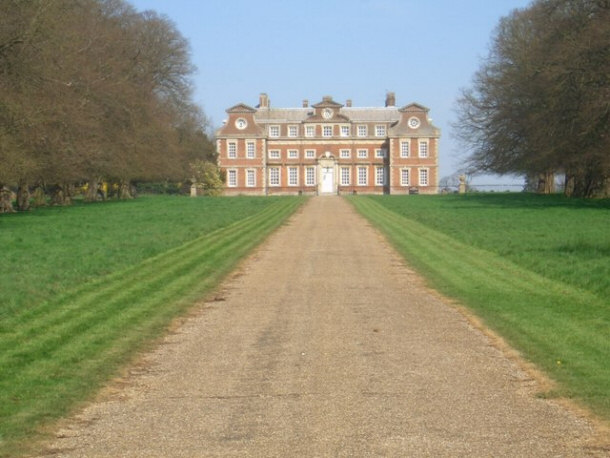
(23, 196)
(95, 192)
(6, 200)
(125, 191)
(39, 196)
(62, 195)
(546, 183)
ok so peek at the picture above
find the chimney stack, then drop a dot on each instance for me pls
(348, 103)
(305, 103)
(390, 99)
(263, 100)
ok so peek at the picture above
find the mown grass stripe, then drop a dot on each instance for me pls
(128, 281)
(144, 269)
(66, 330)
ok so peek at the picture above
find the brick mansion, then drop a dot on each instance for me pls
(328, 148)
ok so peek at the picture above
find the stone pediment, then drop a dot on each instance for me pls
(241, 108)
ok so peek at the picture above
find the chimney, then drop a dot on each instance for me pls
(348, 103)
(263, 100)
(327, 98)
(305, 103)
(390, 99)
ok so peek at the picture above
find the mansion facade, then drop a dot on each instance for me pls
(328, 148)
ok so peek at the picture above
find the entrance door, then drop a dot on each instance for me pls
(328, 180)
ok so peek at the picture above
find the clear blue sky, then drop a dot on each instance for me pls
(423, 50)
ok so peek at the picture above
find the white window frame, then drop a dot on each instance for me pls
(232, 150)
(310, 130)
(424, 177)
(327, 131)
(345, 175)
(293, 176)
(278, 173)
(275, 154)
(380, 179)
(231, 178)
(380, 130)
(405, 148)
(405, 177)
(310, 154)
(362, 130)
(274, 131)
(361, 181)
(423, 148)
(293, 131)
(250, 149)
(380, 152)
(363, 153)
(250, 178)
(345, 131)
(345, 153)
(310, 176)
(293, 154)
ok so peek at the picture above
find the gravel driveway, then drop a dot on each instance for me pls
(324, 344)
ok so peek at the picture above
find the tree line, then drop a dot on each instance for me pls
(92, 91)
(539, 105)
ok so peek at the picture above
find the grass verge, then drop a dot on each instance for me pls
(560, 326)
(57, 353)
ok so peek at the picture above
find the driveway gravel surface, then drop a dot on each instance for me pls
(324, 344)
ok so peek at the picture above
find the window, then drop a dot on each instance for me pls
(404, 148)
(362, 131)
(345, 153)
(423, 177)
(310, 131)
(380, 152)
(293, 131)
(362, 176)
(363, 153)
(310, 153)
(231, 178)
(274, 154)
(380, 130)
(344, 176)
(293, 154)
(250, 150)
(345, 131)
(232, 150)
(293, 176)
(310, 176)
(404, 177)
(327, 131)
(379, 176)
(423, 148)
(250, 178)
(274, 131)
(274, 176)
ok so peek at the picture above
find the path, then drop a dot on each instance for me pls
(325, 344)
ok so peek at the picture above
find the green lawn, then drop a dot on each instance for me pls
(88, 286)
(536, 269)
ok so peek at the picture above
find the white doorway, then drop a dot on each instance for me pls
(328, 180)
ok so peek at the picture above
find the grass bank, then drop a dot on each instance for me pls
(145, 262)
(536, 269)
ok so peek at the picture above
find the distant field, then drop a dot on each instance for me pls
(84, 287)
(535, 268)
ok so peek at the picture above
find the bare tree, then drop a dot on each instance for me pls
(540, 103)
